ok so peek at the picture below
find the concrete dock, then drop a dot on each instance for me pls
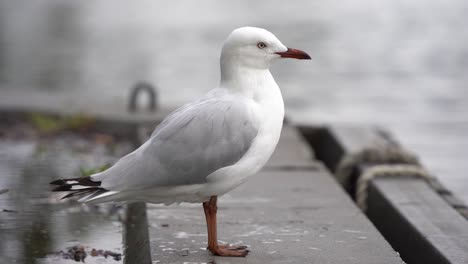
(293, 211)
(422, 219)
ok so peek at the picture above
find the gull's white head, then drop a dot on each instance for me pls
(256, 48)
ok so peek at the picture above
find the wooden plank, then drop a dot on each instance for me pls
(417, 221)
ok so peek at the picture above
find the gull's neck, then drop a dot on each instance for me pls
(249, 81)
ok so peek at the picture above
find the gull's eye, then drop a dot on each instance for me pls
(261, 45)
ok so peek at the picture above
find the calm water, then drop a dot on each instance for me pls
(35, 226)
(400, 64)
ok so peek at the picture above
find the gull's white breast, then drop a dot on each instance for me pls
(267, 103)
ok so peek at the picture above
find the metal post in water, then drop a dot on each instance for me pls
(136, 233)
(136, 236)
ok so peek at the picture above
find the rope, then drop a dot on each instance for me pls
(388, 160)
(394, 170)
(379, 154)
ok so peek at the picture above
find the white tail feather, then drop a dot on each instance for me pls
(101, 198)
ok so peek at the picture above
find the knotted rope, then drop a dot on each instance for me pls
(387, 161)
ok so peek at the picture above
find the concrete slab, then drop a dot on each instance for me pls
(291, 212)
(417, 221)
(284, 217)
(292, 151)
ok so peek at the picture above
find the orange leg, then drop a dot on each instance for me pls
(219, 250)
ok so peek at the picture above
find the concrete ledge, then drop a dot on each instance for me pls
(332, 143)
(65, 104)
(293, 217)
(292, 152)
(417, 221)
(417, 217)
(283, 215)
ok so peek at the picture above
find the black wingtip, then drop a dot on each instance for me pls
(85, 186)
(57, 182)
(73, 194)
(85, 181)
(67, 196)
(62, 188)
(94, 191)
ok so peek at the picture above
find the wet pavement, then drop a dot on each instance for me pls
(35, 226)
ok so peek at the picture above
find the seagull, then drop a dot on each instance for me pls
(207, 147)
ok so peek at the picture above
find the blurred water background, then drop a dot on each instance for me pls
(401, 64)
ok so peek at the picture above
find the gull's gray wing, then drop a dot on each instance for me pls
(194, 141)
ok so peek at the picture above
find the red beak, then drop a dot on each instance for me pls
(295, 54)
